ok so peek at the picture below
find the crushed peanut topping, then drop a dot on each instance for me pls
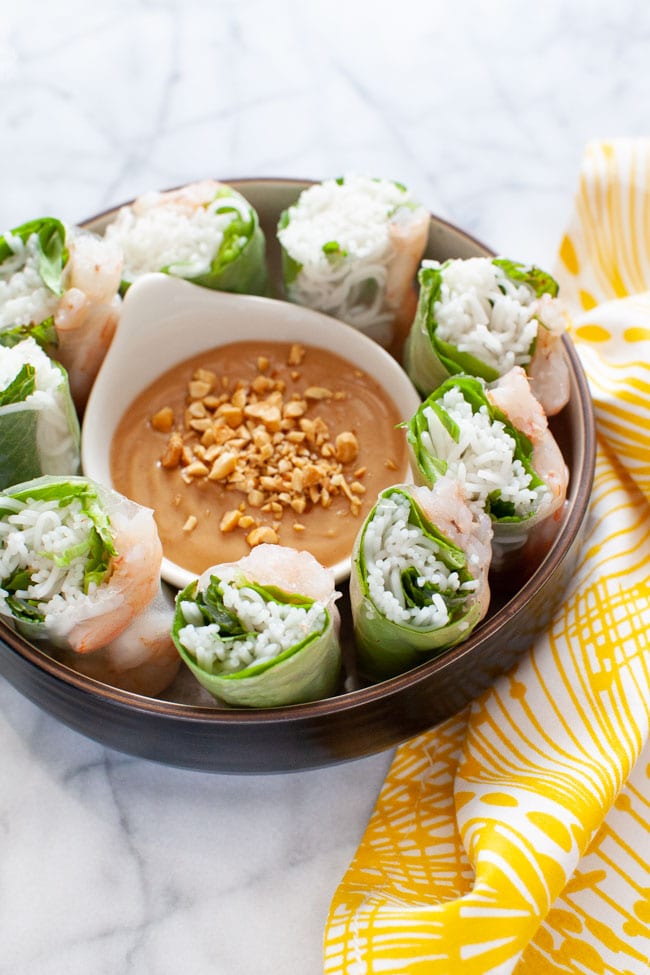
(264, 442)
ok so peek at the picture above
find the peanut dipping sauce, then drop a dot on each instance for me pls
(259, 442)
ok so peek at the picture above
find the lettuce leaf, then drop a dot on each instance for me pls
(307, 671)
(52, 253)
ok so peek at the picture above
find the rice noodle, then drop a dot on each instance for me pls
(481, 311)
(392, 545)
(483, 458)
(32, 537)
(271, 627)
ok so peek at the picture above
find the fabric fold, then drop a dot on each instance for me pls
(511, 838)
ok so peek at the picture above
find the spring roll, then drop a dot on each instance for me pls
(351, 248)
(60, 286)
(497, 444)
(263, 631)
(39, 429)
(204, 232)
(419, 581)
(78, 562)
(482, 317)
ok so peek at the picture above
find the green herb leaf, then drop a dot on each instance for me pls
(52, 253)
(540, 281)
(22, 386)
(44, 334)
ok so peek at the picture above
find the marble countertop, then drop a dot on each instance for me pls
(110, 864)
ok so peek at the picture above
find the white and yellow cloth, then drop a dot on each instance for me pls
(515, 837)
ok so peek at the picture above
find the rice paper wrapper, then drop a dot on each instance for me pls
(429, 358)
(514, 837)
(123, 557)
(306, 671)
(62, 290)
(39, 429)
(153, 233)
(438, 447)
(361, 274)
(385, 647)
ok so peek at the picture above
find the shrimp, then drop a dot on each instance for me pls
(513, 395)
(548, 370)
(88, 311)
(134, 582)
(467, 526)
(290, 570)
(408, 235)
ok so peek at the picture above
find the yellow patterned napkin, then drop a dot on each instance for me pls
(515, 837)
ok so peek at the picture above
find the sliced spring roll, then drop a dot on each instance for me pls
(204, 232)
(263, 631)
(419, 581)
(39, 429)
(60, 286)
(78, 562)
(482, 317)
(351, 248)
(497, 444)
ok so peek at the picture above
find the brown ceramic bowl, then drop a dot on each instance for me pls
(358, 722)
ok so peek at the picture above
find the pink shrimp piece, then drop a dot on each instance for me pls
(134, 581)
(186, 199)
(468, 527)
(88, 311)
(548, 370)
(513, 395)
(408, 235)
(289, 569)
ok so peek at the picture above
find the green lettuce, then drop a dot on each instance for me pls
(429, 467)
(429, 360)
(386, 648)
(307, 671)
(31, 428)
(98, 547)
(52, 254)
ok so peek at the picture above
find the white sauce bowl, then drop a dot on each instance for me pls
(166, 320)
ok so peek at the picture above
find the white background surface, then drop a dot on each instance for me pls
(111, 865)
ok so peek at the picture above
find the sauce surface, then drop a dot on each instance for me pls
(314, 390)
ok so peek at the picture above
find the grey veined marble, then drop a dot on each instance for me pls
(115, 866)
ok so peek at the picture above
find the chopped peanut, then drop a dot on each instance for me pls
(172, 456)
(267, 444)
(230, 520)
(347, 447)
(296, 355)
(264, 533)
(163, 420)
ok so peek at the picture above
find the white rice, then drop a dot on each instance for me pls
(271, 629)
(483, 312)
(483, 458)
(392, 545)
(182, 235)
(356, 214)
(30, 538)
(56, 431)
(24, 298)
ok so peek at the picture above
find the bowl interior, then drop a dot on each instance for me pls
(192, 731)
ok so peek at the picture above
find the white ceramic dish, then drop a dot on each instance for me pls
(165, 320)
